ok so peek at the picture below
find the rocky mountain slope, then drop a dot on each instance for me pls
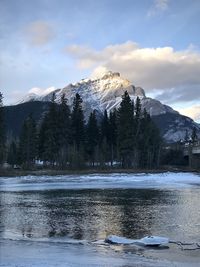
(105, 93)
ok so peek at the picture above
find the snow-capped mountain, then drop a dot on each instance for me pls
(105, 93)
(28, 98)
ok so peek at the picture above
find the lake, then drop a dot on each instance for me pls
(63, 220)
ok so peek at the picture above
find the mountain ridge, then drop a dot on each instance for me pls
(105, 93)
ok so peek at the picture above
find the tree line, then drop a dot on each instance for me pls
(126, 137)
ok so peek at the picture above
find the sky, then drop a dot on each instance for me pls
(47, 44)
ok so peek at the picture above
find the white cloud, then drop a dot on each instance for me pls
(153, 68)
(193, 112)
(40, 91)
(39, 33)
(171, 76)
(99, 72)
(13, 97)
(158, 7)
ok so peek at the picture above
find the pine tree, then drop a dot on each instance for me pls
(143, 140)
(138, 112)
(104, 139)
(64, 131)
(137, 131)
(149, 143)
(113, 135)
(2, 131)
(92, 137)
(28, 143)
(42, 134)
(77, 122)
(77, 132)
(50, 128)
(12, 158)
(156, 145)
(105, 126)
(126, 130)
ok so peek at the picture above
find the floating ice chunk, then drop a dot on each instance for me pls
(114, 239)
(154, 240)
(146, 241)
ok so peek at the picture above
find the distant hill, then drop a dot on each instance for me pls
(15, 115)
(174, 126)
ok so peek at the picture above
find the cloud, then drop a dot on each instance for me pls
(172, 75)
(13, 96)
(187, 93)
(39, 33)
(158, 7)
(88, 57)
(40, 91)
(193, 112)
(99, 72)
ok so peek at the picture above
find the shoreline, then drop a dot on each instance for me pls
(54, 172)
(16, 253)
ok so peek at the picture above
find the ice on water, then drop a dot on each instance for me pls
(101, 181)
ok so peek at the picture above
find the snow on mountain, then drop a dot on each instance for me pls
(28, 98)
(173, 126)
(105, 93)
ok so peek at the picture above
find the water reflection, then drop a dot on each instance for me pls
(92, 214)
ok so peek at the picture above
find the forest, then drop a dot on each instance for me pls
(63, 139)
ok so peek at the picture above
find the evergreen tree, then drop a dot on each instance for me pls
(143, 140)
(92, 137)
(113, 135)
(42, 137)
(137, 131)
(50, 134)
(77, 132)
(138, 112)
(12, 157)
(77, 123)
(105, 127)
(149, 143)
(64, 131)
(2, 131)
(126, 131)
(104, 139)
(28, 143)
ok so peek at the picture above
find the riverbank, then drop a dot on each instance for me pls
(52, 172)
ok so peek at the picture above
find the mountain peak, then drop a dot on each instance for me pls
(110, 74)
(105, 92)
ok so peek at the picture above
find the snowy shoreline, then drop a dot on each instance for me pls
(54, 172)
(164, 180)
(23, 254)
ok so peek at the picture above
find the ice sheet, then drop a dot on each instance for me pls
(100, 181)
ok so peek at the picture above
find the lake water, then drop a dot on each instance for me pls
(63, 220)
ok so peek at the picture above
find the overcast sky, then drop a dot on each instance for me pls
(153, 43)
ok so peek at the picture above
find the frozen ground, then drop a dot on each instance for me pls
(30, 254)
(52, 254)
